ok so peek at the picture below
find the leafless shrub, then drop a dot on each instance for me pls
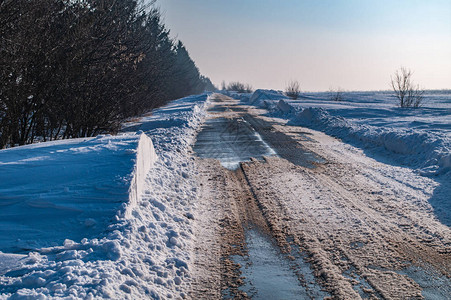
(239, 87)
(293, 89)
(407, 93)
(336, 94)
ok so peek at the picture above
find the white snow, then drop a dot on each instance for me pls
(419, 138)
(145, 158)
(113, 221)
(61, 190)
(259, 97)
(113, 216)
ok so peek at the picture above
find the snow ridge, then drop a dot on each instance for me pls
(430, 153)
(145, 158)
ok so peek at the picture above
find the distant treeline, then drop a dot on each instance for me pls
(77, 68)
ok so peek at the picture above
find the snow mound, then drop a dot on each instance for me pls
(417, 138)
(77, 184)
(284, 107)
(243, 97)
(259, 97)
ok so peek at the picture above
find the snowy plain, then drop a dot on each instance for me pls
(415, 137)
(101, 217)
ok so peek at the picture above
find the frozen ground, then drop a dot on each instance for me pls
(90, 218)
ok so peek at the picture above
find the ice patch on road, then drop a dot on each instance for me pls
(269, 275)
(230, 141)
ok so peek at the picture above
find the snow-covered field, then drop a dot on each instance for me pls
(419, 138)
(101, 217)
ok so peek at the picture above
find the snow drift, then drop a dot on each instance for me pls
(77, 184)
(428, 152)
(259, 97)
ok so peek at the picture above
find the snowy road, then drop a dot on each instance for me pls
(252, 208)
(343, 224)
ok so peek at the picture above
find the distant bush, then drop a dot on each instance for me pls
(336, 94)
(407, 93)
(239, 87)
(293, 89)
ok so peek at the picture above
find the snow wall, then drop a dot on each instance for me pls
(145, 158)
(259, 97)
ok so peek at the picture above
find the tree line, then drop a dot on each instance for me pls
(77, 68)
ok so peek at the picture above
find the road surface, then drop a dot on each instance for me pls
(345, 226)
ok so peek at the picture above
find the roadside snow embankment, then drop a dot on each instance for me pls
(145, 158)
(143, 251)
(429, 151)
(260, 97)
(78, 185)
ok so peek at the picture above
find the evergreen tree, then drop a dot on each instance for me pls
(75, 68)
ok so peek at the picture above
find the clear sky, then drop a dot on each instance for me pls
(352, 44)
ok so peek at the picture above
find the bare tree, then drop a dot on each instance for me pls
(407, 93)
(293, 89)
(336, 94)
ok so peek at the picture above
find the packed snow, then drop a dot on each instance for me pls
(102, 217)
(61, 190)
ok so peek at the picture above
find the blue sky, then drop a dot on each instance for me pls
(355, 45)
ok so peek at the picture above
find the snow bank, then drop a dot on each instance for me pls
(144, 251)
(429, 151)
(243, 97)
(426, 151)
(77, 184)
(259, 97)
(145, 158)
(284, 107)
